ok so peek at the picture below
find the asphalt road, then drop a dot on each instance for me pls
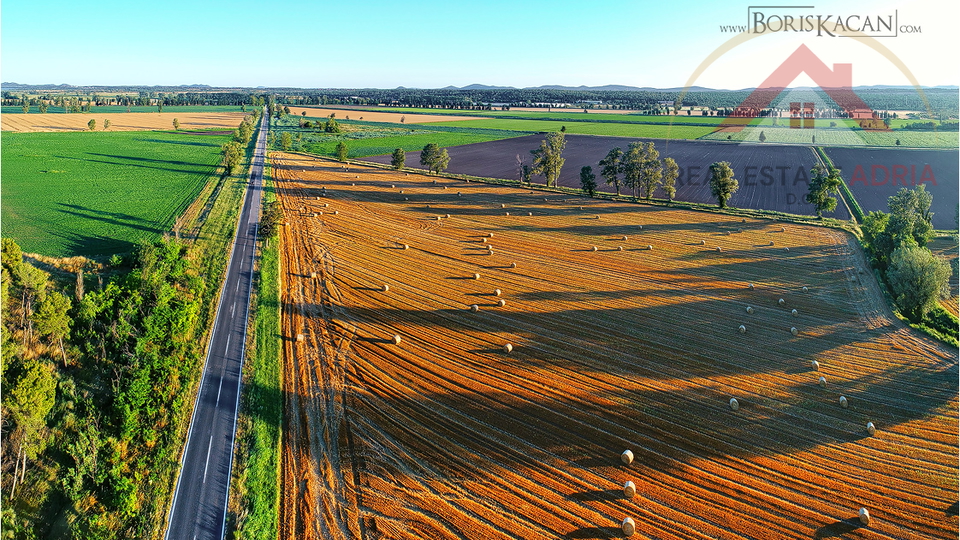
(199, 504)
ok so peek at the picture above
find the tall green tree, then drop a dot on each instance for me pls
(918, 279)
(176, 124)
(52, 319)
(271, 220)
(722, 183)
(286, 140)
(610, 167)
(27, 402)
(670, 175)
(232, 156)
(910, 216)
(822, 185)
(341, 151)
(631, 164)
(588, 180)
(651, 172)
(548, 158)
(106, 124)
(92, 125)
(398, 159)
(43, 106)
(434, 158)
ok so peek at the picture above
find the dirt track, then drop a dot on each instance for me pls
(446, 436)
(120, 121)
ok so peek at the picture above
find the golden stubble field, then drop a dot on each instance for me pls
(120, 121)
(445, 435)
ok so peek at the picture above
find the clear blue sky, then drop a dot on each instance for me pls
(429, 44)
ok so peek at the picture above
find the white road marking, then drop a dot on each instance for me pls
(228, 345)
(209, 446)
(234, 310)
(238, 285)
(219, 390)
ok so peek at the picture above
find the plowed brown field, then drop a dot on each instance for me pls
(446, 436)
(120, 121)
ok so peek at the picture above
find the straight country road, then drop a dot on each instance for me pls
(198, 511)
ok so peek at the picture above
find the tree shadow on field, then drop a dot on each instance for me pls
(838, 529)
(183, 143)
(597, 495)
(595, 532)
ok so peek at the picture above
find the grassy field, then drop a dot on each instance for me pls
(655, 131)
(372, 138)
(258, 448)
(90, 194)
(8, 109)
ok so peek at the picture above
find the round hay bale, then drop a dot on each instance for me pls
(508, 348)
(629, 489)
(476, 276)
(313, 275)
(719, 249)
(434, 181)
(489, 247)
(483, 240)
(474, 308)
(529, 213)
(459, 194)
(392, 186)
(805, 289)
(626, 457)
(406, 198)
(428, 206)
(871, 429)
(513, 265)
(703, 242)
(619, 248)
(353, 183)
(490, 251)
(843, 402)
(624, 238)
(815, 365)
(401, 192)
(326, 205)
(404, 246)
(301, 337)
(793, 330)
(649, 247)
(742, 329)
(396, 339)
(502, 205)
(336, 212)
(783, 229)
(598, 216)
(628, 526)
(750, 286)
(734, 404)
(822, 381)
(444, 187)
(743, 221)
(781, 301)
(489, 235)
(506, 213)
(864, 516)
(497, 292)
(501, 302)
(439, 218)
(750, 310)
(739, 230)
(786, 249)
(771, 242)
(640, 227)
(358, 176)
(795, 313)
(594, 248)
(581, 208)
(385, 288)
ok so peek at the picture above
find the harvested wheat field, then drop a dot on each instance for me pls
(121, 121)
(370, 116)
(445, 432)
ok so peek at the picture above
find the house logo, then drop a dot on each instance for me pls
(837, 83)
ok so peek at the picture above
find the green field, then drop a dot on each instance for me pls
(374, 138)
(10, 109)
(842, 137)
(99, 193)
(654, 131)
